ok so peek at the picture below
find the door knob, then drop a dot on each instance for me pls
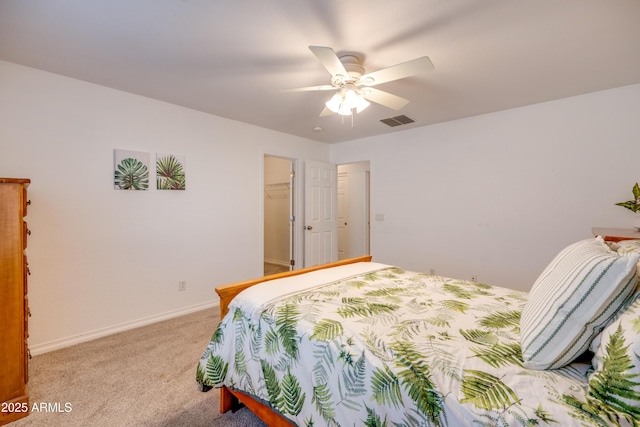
(308, 227)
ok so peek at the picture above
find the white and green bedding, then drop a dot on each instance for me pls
(370, 344)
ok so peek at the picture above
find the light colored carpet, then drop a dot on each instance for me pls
(270, 268)
(142, 377)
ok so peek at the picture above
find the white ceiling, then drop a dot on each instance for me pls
(225, 57)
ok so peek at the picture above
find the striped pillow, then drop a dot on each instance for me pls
(571, 301)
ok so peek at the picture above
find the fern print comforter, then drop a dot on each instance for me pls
(390, 347)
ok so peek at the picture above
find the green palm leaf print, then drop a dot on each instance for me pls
(479, 336)
(326, 330)
(131, 174)
(486, 391)
(286, 321)
(273, 385)
(322, 398)
(386, 387)
(354, 383)
(373, 419)
(360, 307)
(499, 355)
(416, 379)
(502, 319)
(615, 384)
(454, 305)
(216, 369)
(293, 400)
(170, 173)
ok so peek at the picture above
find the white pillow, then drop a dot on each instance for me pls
(572, 300)
(625, 247)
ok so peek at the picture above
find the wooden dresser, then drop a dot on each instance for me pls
(616, 234)
(14, 312)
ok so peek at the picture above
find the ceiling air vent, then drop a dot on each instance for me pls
(397, 121)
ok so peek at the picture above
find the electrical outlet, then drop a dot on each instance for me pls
(182, 285)
(474, 278)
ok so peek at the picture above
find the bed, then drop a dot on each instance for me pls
(364, 343)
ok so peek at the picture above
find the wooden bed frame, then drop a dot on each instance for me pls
(231, 399)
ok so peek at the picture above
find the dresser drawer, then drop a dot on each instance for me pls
(25, 201)
(25, 273)
(26, 318)
(25, 233)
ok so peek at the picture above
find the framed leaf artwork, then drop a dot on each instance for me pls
(170, 172)
(130, 170)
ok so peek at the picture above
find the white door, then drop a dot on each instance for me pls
(343, 215)
(320, 231)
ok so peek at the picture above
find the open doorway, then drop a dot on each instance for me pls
(353, 210)
(279, 215)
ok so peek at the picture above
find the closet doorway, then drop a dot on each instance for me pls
(353, 210)
(279, 214)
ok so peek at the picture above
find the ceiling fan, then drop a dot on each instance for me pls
(355, 87)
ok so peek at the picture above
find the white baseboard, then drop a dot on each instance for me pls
(99, 333)
(277, 262)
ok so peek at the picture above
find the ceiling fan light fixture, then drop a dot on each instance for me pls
(361, 103)
(350, 95)
(337, 105)
(346, 101)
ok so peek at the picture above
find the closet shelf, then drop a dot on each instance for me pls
(277, 190)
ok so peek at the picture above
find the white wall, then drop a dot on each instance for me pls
(101, 259)
(499, 195)
(494, 195)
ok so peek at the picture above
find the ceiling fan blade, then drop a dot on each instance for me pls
(397, 72)
(326, 112)
(384, 98)
(329, 60)
(307, 89)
